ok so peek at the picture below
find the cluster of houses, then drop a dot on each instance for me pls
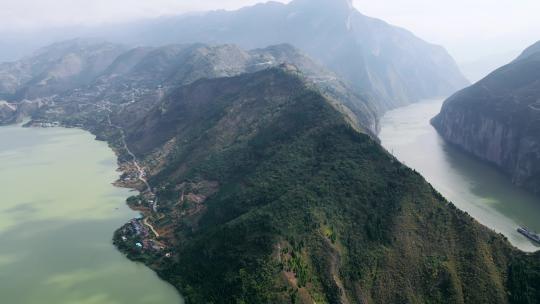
(126, 178)
(139, 228)
(142, 234)
(46, 124)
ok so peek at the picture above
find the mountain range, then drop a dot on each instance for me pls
(56, 69)
(387, 61)
(376, 58)
(80, 78)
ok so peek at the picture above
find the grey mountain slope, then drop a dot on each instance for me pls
(57, 69)
(201, 61)
(108, 80)
(386, 61)
(390, 62)
(533, 49)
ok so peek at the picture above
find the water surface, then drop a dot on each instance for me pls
(472, 185)
(58, 211)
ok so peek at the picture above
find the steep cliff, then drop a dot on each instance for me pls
(498, 119)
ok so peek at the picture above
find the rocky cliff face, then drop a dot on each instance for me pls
(498, 119)
(495, 142)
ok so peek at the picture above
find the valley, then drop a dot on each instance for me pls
(474, 186)
(279, 153)
(269, 158)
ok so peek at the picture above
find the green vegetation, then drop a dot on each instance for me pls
(524, 280)
(268, 191)
(310, 210)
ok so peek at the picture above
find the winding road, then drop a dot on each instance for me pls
(145, 222)
(140, 170)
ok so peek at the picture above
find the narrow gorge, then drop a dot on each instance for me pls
(498, 120)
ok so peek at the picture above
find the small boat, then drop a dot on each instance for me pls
(529, 234)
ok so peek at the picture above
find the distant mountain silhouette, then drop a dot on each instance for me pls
(386, 61)
(57, 68)
(532, 50)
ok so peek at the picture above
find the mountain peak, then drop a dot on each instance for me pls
(342, 5)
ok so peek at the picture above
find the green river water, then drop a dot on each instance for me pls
(472, 185)
(58, 212)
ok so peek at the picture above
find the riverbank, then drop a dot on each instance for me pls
(56, 238)
(139, 239)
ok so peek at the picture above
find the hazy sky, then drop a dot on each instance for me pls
(468, 28)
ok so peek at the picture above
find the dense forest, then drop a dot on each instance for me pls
(307, 208)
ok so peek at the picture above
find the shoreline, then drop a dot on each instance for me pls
(127, 169)
(488, 210)
(119, 243)
(154, 250)
(108, 210)
(126, 237)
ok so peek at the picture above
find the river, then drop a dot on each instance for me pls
(58, 212)
(472, 185)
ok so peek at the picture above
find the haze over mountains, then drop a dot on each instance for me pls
(530, 51)
(251, 136)
(391, 62)
(56, 69)
(374, 57)
(84, 77)
(375, 66)
(476, 70)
